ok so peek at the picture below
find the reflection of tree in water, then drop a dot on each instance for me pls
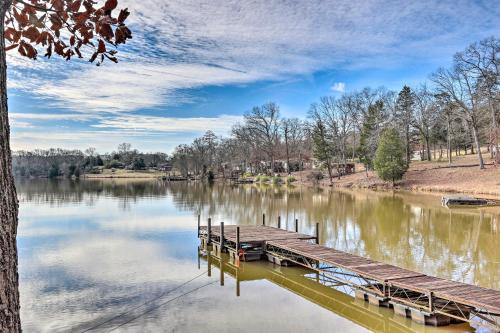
(408, 230)
(88, 191)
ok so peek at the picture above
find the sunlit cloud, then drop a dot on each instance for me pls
(50, 116)
(181, 49)
(192, 44)
(221, 124)
(338, 87)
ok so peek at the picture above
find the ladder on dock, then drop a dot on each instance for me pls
(426, 299)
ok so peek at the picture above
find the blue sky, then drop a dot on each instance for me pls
(199, 65)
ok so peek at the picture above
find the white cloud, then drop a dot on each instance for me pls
(220, 125)
(338, 87)
(191, 44)
(50, 116)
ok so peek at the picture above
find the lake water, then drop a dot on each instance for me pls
(122, 255)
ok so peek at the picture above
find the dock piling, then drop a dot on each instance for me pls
(221, 277)
(209, 231)
(317, 233)
(237, 240)
(198, 225)
(263, 219)
(296, 225)
(279, 222)
(221, 249)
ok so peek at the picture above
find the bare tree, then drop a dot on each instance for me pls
(423, 116)
(462, 87)
(263, 124)
(345, 108)
(293, 134)
(482, 61)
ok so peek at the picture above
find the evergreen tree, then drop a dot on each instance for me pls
(322, 146)
(389, 161)
(404, 116)
(370, 133)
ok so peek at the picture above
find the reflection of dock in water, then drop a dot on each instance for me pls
(318, 289)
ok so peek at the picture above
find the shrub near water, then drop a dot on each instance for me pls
(389, 160)
(276, 180)
(264, 179)
(290, 180)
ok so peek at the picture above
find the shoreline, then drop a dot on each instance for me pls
(461, 177)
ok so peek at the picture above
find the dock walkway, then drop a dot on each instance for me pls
(426, 299)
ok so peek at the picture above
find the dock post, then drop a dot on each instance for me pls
(198, 225)
(237, 253)
(296, 225)
(209, 264)
(237, 240)
(199, 257)
(221, 267)
(279, 222)
(237, 284)
(431, 305)
(221, 237)
(263, 219)
(209, 231)
(317, 233)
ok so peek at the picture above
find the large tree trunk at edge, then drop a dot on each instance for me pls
(9, 279)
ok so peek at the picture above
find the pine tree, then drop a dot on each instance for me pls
(370, 133)
(404, 116)
(389, 161)
(322, 146)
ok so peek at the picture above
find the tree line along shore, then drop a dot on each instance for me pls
(360, 139)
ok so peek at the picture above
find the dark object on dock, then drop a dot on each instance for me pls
(427, 299)
(467, 201)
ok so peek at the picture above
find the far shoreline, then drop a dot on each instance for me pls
(438, 177)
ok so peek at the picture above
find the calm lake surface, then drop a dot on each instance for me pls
(122, 255)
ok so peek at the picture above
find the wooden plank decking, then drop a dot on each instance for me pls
(363, 266)
(255, 234)
(462, 293)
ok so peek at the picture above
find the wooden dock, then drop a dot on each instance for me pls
(426, 299)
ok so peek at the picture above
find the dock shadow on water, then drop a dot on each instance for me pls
(122, 255)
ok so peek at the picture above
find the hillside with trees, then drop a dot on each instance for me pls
(456, 113)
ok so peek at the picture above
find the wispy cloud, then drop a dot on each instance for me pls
(338, 87)
(221, 124)
(51, 116)
(190, 44)
(181, 47)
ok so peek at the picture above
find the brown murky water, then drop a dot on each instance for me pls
(122, 255)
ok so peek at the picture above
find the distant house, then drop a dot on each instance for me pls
(167, 167)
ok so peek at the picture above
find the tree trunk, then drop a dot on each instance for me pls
(427, 148)
(496, 153)
(330, 173)
(287, 155)
(448, 139)
(407, 146)
(9, 278)
(478, 146)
